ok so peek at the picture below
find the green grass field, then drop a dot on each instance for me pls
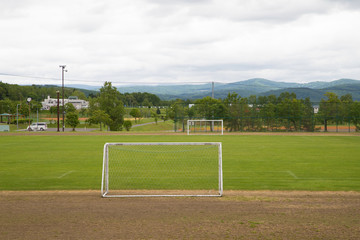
(160, 126)
(249, 162)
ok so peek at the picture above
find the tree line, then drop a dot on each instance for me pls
(270, 113)
(37, 93)
(255, 113)
(12, 94)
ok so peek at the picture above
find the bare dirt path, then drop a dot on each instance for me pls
(237, 215)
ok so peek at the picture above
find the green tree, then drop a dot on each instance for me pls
(210, 108)
(135, 113)
(53, 110)
(109, 101)
(355, 115)
(290, 111)
(329, 109)
(346, 107)
(308, 116)
(167, 113)
(2, 91)
(83, 112)
(147, 103)
(127, 125)
(69, 108)
(24, 108)
(236, 113)
(130, 100)
(177, 112)
(72, 119)
(268, 114)
(347, 98)
(93, 105)
(99, 117)
(155, 116)
(7, 106)
(79, 94)
(254, 120)
(190, 112)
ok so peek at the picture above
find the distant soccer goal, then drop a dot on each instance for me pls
(162, 169)
(205, 127)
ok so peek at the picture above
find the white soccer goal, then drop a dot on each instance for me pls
(205, 127)
(162, 169)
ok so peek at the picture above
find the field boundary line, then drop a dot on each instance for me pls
(67, 173)
(292, 174)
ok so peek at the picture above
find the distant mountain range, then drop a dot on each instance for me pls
(256, 86)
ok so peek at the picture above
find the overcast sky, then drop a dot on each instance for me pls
(178, 41)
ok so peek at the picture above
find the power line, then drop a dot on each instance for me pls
(97, 81)
(46, 78)
(16, 75)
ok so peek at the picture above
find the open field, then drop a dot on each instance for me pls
(277, 186)
(250, 162)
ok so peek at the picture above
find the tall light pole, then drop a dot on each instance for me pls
(58, 111)
(29, 100)
(63, 103)
(17, 116)
(212, 95)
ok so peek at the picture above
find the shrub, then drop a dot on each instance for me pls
(21, 121)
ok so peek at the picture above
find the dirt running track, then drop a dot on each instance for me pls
(237, 215)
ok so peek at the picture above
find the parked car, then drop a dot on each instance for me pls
(38, 126)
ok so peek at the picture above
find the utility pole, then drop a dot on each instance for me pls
(58, 111)
(63, 100)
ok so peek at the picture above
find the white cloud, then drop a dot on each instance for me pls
(185, 41)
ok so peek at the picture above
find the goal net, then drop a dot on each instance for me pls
(162, 169)
(209, 127)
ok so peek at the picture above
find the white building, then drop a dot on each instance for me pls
(52, 102)
(316, 108)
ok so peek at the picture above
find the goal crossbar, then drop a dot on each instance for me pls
(106, 185)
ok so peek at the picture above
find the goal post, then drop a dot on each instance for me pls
(162, 169)
(205, 127)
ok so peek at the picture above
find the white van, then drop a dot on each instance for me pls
(39, 126)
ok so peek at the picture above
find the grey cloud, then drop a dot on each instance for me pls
(240, 11)
(181, 40)
(263, 11)
(89, 19)
(233, 67)
(12, 9)
(347, 3)
(86, 26)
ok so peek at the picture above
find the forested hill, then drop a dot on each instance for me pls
(317, 94)
(38, 93)
(256, 86)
